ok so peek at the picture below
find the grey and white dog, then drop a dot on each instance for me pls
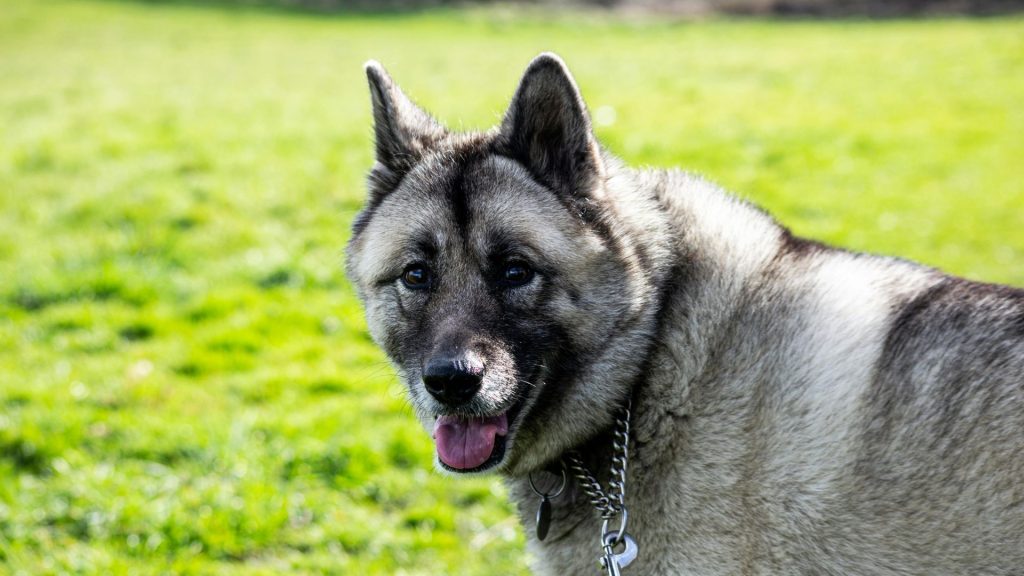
(797, 409)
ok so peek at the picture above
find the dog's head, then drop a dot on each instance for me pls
(501, 277)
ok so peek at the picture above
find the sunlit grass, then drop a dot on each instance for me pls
(186, 384)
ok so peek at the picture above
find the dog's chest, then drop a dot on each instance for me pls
(678, 531)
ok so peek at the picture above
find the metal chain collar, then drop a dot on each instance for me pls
(608, 504)
(613, 502)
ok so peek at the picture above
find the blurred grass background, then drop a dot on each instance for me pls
(186, 383)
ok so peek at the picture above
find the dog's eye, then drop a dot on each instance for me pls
(516, 273)
(416, 277)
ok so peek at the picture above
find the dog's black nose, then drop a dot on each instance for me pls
(453, 381)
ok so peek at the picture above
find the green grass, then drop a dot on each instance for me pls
(186, 382)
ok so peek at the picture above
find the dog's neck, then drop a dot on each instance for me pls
(720, 265)
(696, 310)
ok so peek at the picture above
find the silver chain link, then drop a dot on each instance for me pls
(611, 503)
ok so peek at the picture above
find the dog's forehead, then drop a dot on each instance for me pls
(507, 205)
(501, 190)
(477, 200)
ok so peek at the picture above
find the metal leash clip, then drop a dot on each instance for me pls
(613, 562)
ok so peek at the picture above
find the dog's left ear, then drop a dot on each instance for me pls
(548, 130)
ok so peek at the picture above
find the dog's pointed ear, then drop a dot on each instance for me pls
(402, 130)
(548, 130)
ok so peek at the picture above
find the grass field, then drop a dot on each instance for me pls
(186, 383)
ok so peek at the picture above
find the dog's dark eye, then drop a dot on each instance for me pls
(516, 274)
(416, 277)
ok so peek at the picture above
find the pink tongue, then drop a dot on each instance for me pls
(467, 443)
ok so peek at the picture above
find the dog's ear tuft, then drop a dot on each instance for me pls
(548, 130)
(402, 131)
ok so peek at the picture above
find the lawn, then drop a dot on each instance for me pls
(186, 382)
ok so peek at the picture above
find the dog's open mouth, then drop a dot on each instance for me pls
(473, 444)
(470, 444)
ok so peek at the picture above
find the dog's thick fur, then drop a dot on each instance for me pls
(798, 409)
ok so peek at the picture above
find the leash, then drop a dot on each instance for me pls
(610, 504)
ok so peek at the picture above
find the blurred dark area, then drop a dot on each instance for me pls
(784, 8)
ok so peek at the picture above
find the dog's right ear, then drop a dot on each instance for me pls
(402, 130)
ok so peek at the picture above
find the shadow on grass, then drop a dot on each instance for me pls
(677, 9)
(364, 9)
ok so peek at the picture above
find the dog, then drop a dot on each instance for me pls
(795, 408)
